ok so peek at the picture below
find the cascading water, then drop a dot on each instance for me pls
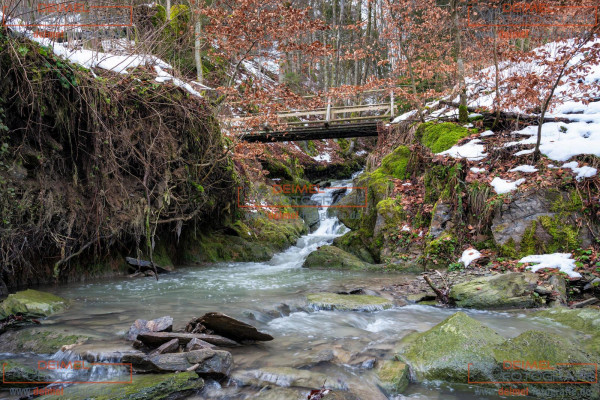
(272, 296)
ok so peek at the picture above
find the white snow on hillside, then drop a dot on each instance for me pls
(473, 151)
(502, 186)
(524, 168)
(118, 63)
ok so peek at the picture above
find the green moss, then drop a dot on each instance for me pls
(353, 243)
(565, 236)
(393, 376)
(14, 371)
(395, 163)
(38, 340)
(439, 137)
(586, 320)
(347, 302)
(150, 386)
(463, 114)
(32, 302)
(443, 250)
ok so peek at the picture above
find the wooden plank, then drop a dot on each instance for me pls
(314, 133)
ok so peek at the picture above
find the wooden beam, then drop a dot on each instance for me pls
(315, 133)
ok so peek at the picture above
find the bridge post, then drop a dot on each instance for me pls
(392, 103)
(328, 113)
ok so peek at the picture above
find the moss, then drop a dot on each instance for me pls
(347, 302)
(353, 243)
(394, 164)
(565, 237)
(38, 340)
(14, 371)
(586, 320)
(463, 114)
(393, 376)
(442, 251)
(32, 302)
(150, 386)
(331, 257)
(439, 137)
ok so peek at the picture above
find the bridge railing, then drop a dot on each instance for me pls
(376, 108)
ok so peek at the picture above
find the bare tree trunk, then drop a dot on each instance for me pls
(168, 10)
(197, 49)
(460, 66)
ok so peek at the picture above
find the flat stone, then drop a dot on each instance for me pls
(232, 328)
(210, 362)
(347, 302)
(162, 324)
(154, 339)
(197, 344)
(170, 347)
(287, 377)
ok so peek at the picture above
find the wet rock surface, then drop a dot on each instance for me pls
(154, 339)
(347, 302)
(162, 324)
(205, 361)
(287, 377)
(232, 328)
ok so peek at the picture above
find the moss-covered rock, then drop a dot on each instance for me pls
(444, 351)
(347, 302)
(39, 340)
(352, 243)
(586, 320)
(393, 376)
(17, 372)
(511, 290)
(439, 137)
(331, 257)
(157, 387)
(461, 349)
(540, 222)
(32, 303)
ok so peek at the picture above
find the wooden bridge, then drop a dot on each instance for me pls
(330, 122)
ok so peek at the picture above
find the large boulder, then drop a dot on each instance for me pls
(586, 320)
(461, 349)
(147, 386)
(352, 242)
(32, 303)
(232, 328)
(538, 222)
(511, 290)
(331, 257)
(444, 351)
(347, 302)
(286, 377)
(204, 362)
(162, 324)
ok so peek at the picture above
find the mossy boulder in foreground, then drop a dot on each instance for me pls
(150, 386)
(461, 349)
(393, 376)
(16, 372)
(511, 290)
(32, 303)
(586, 320)
(40, 340)
(347, 302)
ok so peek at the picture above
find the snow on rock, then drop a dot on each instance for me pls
(581, 172)
(468, 256)
(404, 116)
(503, 186)
(524, 168)
(524, 152)
(562, 261)
(472, 150)
(322, 157)
(487, 133)
(477, 170)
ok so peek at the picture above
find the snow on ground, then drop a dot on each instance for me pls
(487, 133)
(582, 172)
(472, 150)
(562, 261)
(468, 256)
(524, 168)
(323, 157)
(503, 186)
(118, 63)
(477, 170)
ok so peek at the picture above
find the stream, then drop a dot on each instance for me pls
(271, 296)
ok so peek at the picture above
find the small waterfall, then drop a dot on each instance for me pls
(89, 366)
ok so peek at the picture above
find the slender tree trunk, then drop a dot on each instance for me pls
(197, 51)
(460, 66)
(168, 10)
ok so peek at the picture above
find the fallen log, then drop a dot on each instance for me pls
(442, 296)
(154, 339)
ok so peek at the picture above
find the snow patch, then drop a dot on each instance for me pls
(524, 168)
(477, 170)
(503, 186)
(472, 150)
(581, 172)
(468, 256)
(487, 133)
(562, 261)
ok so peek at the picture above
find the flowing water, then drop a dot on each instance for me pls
(271, 296)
